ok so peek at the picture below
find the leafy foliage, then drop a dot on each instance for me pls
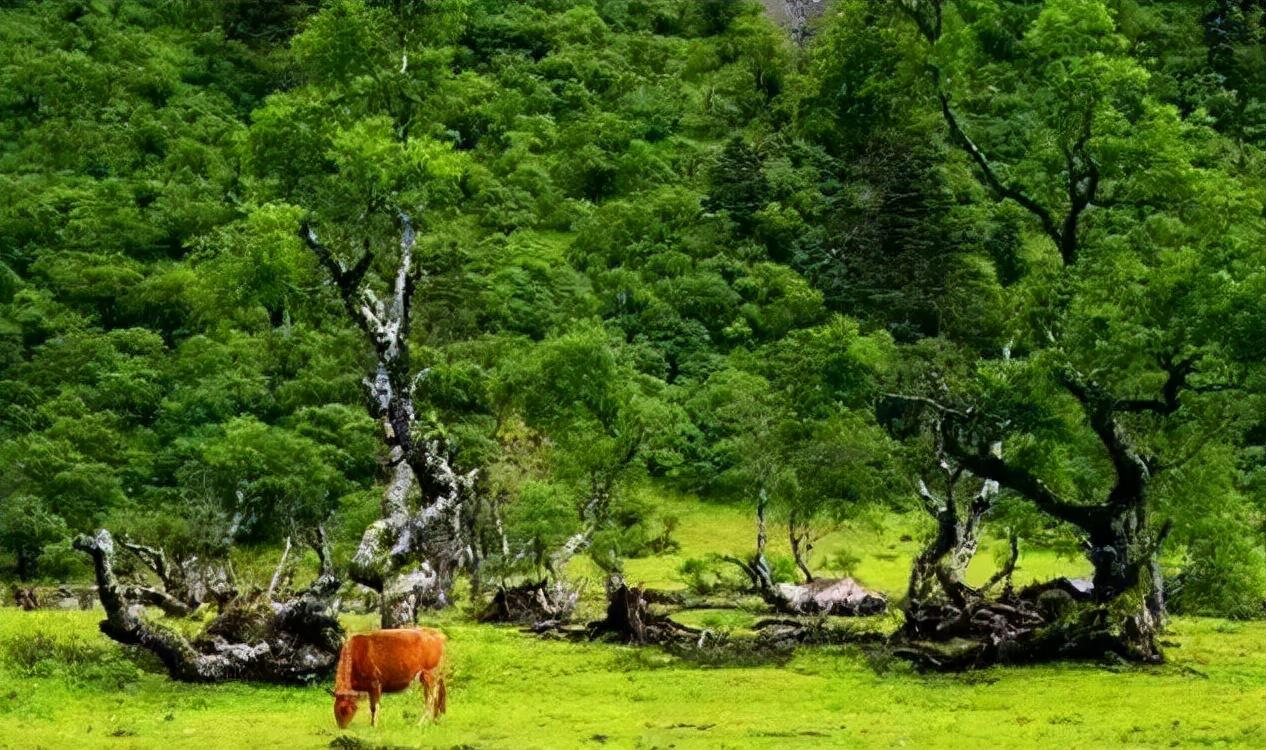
(658, 245)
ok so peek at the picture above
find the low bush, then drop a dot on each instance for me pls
(71, 657)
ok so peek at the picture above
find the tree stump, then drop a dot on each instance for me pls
(26, 598)
(629, 619)
(531, 604)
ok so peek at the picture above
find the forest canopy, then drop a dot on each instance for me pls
(647, 243)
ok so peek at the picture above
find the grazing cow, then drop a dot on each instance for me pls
(388, 661)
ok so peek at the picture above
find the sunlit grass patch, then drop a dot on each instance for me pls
(513, 690)
(63, 684)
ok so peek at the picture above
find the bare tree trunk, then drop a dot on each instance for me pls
(943, 563)
(800, 548)
(186, 583)
(410, 555)
(760, 564)
(26, 565)
(630, 619)
(280, 571)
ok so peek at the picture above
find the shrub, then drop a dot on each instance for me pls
(72, 657)
(1224, 576)
(844, 561)
(701, 575)
(783, 569)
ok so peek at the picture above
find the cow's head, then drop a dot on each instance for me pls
(344, 708)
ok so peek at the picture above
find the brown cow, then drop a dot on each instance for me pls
(388, 661)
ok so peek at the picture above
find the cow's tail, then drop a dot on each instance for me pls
(436, 689)
(441, 697)
(436, 692)
(441, 686)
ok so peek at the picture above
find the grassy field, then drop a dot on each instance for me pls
(62, 685)
(884, 548)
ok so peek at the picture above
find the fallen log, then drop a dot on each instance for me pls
(843, 597)
(830, 596)
(293, 641)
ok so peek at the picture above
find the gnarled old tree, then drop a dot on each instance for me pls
(960, 516)
(940, 606)
(1098, 166)
(1122, 546)
(412, 553)
(294, 638)
(959, 502)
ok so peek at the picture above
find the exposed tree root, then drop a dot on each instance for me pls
(1056, 620)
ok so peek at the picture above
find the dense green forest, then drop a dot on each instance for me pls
(578, 255)
(930, 329)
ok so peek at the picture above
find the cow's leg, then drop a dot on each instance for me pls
(375, 695)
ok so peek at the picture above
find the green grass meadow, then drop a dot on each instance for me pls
(63, 685)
